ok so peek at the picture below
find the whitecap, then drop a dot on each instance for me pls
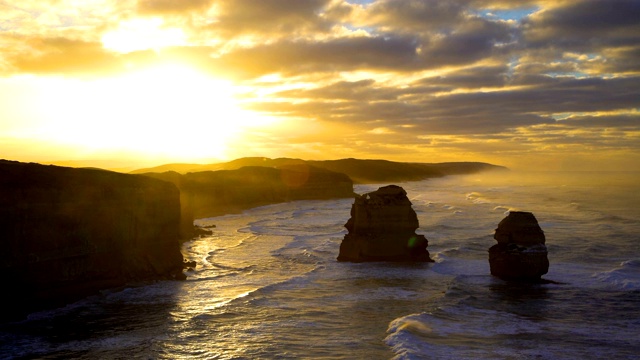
(624, 277)
(455, 332)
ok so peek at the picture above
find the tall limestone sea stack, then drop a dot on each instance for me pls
(521, 253)
(382, 228)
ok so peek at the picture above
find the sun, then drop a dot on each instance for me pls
(142, 34)
(169, 110)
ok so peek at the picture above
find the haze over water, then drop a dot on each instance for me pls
(267, 284)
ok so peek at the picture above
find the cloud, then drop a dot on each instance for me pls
(627, 121)
(413, 16)
(63, 56)
(592, 28)
(474, 41)
(269, 17)
(346, 54)
(171, 6)
(470, 78)
(586, 23)
(434, 105)
(362, 90)
(390, 74)
(622, 61)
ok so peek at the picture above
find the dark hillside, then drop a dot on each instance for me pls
(211, 193)
(464, 168)
(378, 171)
(360, 171)
(67, 232)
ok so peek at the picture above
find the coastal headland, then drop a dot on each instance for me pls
(67, 233)
(70, 232)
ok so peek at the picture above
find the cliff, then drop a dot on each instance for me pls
(66, 233)
(359, 170)
(212, 193)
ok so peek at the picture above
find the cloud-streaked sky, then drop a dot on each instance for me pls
(531, 84)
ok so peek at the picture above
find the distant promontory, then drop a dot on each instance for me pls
(360, 171)
(223, 188)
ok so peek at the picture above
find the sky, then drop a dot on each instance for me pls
(531, 84)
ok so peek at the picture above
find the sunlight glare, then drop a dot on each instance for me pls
(169, 109)
(142, 34)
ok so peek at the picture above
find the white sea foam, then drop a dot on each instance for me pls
(624, 277)
(457, 332)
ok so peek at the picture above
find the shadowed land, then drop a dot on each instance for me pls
(359, 170)
(67, 233)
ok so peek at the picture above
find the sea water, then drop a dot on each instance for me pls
(267, 284)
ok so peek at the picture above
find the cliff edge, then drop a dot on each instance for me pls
(67, 233)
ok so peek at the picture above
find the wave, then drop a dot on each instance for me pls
(234, 268)
(625, 277)
(261, 292)
(195, 277)
(478, 198)
(505, 209)
(301, 257)
(507, 322)
(295, 227)
(459, 332)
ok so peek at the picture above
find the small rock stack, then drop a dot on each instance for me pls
(520, 253)
(382, 228)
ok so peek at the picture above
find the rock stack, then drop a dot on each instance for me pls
(382, 228)
(520, 253)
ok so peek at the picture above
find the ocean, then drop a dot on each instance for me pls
(267, 284)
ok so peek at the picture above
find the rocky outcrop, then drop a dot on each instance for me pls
(212, 193)
(521, 253)
(382, 228)
(66, 233)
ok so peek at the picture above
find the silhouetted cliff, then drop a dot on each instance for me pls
(66, 233)
(379, 171)
(360, 171)
(211, 193)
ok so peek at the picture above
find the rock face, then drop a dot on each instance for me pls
(521, 253)
(213, 193)
(382, 228)
(66, 233)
